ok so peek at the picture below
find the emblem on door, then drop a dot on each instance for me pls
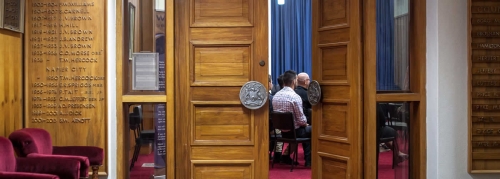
(253, 95)
(314, 92)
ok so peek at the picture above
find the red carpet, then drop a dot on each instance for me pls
(401, 171)
(139, 172)
(282, 171)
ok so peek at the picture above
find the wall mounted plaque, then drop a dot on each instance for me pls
(483, 86)
(13, 15)
(145, 71)
(314, 92)
(253, 95)
(65, 70)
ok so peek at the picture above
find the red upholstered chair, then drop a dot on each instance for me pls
(34, 168)
(33, 142)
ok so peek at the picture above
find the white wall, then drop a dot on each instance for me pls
(447, 90)
(111, 85)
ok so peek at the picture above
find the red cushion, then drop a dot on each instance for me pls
(7, 158)
(23, 175)
(95, 154)
(31, 140)
(84, 161)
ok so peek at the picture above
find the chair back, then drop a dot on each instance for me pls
(7, 158)
(135, 121)
(284, 121)
(31, 140)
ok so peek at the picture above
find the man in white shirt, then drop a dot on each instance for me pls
(286, 100)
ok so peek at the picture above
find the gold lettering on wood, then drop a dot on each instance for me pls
(485, 9)
(66, 59)
(486, 144)
(485, 71)
(485, 34)
(486, 119)
(485, 58)
(486, 94)
(485, 21)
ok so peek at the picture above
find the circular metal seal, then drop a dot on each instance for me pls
(253, 95)
(314, 92)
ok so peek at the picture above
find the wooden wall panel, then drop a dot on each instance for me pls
(334, 62)
(146, 15)
(333, 166)
(65, 76)
(220, 170)
(333, 13)
(483, 72)
(210, 69)
(337, 65)
(218, 49)
(210, 129)
(335, 123)
(222, 153)
(235, 13)
(11, 97)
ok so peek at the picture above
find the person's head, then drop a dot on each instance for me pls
(290, 79)
(270, 82)
(280, 81)
(303, 80)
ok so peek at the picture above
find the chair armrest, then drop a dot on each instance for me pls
(84, 161)
(62, 167)
(23, 175)
(94, 154)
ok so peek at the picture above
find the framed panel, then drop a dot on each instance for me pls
(13, 15)
(222, 123)
(221, 169)
(333, 166)
(221, 13)
(334, 63)
(335, 122)
(145, 71)
(333, 14)
(215, 64)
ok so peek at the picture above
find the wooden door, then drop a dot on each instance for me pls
(219, 44)
(337, 66)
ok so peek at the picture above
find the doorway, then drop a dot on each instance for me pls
(290, 39)
(220, 46)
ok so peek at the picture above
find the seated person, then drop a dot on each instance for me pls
(279, 86)
(286, 100)
(302, 85)
(385, 131)
(279, 145)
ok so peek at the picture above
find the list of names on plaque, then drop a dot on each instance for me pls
(66, 77)
(484, 85)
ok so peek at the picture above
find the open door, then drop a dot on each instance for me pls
(337, 66)
(220, 45)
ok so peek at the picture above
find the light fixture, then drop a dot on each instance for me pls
(281, 2)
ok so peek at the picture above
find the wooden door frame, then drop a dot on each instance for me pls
(417, 86)
(122, 153)
(370, 97)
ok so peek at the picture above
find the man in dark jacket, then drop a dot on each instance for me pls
(301, 89)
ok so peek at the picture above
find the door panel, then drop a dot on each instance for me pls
(218, 49)
(337, 133)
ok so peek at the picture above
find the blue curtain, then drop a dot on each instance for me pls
(290, 37)
(385, 45)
